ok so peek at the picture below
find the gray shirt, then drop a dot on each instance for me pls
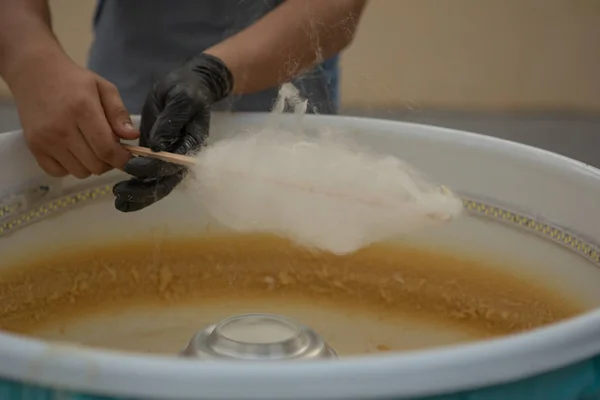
(138, 41)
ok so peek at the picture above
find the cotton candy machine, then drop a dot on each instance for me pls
(165, 304)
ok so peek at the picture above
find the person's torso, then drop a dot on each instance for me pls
(138, 41)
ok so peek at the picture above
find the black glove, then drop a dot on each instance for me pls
(175, 118)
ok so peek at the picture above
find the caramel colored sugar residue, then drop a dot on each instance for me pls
(384, 278)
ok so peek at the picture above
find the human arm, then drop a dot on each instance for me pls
(71, 117)
(25, 35)
(286, 42)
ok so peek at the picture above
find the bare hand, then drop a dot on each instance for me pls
(72, 119)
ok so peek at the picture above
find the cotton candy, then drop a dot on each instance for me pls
(321, 191)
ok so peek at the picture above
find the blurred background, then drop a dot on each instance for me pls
(525, 70)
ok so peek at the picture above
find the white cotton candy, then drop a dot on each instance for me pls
(317, 191)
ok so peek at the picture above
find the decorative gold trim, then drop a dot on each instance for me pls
(19, 203)
(540, 228)
(474, 207)
(47, 209)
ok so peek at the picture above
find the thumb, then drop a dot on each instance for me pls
(117, 115)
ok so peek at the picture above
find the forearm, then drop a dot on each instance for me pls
(288, 41)
(25, 34)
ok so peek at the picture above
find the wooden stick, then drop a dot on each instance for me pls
(161, 155)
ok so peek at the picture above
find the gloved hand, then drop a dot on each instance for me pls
(175, 118)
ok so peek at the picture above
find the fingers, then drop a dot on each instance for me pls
(51, 166)
(136, 194)
(196, 133)
(70, 162)
(150, 112)
(89, 145)
(80, 148)
(54, 151)
(99, 135)
(167, 130)
(117, 115)
(147, 168)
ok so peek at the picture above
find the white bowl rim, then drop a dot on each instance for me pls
(418, 373)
